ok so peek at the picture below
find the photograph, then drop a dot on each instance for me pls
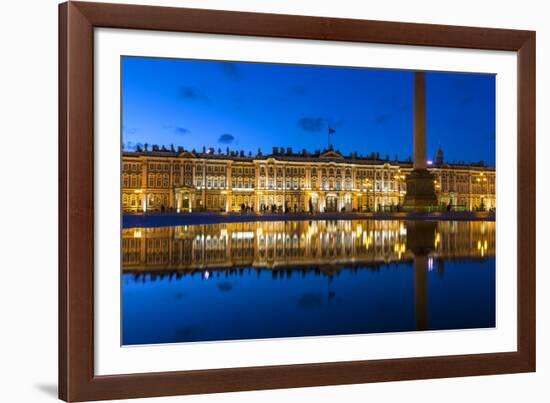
(269, 200)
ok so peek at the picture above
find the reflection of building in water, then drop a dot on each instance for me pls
(321, 181)
(298, 244)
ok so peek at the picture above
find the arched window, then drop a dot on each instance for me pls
(348, 183)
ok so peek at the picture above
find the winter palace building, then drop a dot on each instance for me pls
(161, 179)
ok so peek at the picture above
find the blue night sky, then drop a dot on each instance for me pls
(246, 106)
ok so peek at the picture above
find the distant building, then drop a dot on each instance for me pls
(323, 181)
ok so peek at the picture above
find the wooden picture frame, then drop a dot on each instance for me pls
(77, 21)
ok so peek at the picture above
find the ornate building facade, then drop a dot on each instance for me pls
(324, 181)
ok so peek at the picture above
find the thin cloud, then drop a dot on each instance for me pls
(231, 70)
(381, 119)
(181, 130)
(226, 138)
(177, 129)
(129, 130)
(192, 94)
(131, 146)
(298, 89)
(312, 124)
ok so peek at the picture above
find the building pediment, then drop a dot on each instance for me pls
(187, 154)
(331, 154)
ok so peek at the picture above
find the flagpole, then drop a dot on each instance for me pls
(330, 131)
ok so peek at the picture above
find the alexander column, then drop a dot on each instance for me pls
(420, 183)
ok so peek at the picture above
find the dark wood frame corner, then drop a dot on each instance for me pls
(77, 381)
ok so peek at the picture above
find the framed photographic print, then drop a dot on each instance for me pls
(254, 201)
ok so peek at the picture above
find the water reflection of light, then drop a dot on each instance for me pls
(437, 239)
(399, 248)
(243, 235)
(482, 247)
(430, 263)
(206, 275)
(299, 243)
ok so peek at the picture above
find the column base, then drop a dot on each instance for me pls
(420, 191)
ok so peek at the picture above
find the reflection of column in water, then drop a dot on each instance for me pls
(330, 293)
(420, 240)
(421, 291)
